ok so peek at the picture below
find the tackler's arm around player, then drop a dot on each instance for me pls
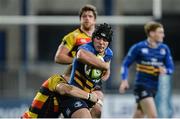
(91, 59)
(66, 89)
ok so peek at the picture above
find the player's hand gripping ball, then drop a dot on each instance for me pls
(93, 73)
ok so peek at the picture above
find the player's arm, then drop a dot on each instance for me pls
(169, 64)
(106, 75)
(62, 56)
(89, 58)
(66, 89)
(62, 53)
(129, 59)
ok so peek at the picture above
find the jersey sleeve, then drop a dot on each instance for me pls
(87, 48)
(109, 55)
(69, 41)
(169, 64)
(128, 60)
(53, 81)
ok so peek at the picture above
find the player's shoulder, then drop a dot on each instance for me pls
(138, 45)
(163, 45)
(52, 81)
(56, 78)
(141, 43)
(108, 51)
(73, 33)
(164, 48)
(87, 46)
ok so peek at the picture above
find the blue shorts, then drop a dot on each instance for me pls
(141, 92)
(71, 104)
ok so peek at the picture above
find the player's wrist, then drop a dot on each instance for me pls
(91, 97)
(124, 80)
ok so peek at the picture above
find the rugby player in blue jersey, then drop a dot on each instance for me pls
(97, 56)
(153, 58)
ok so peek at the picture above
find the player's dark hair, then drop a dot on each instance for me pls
(104, 31)
(151, 26)
(88, 7)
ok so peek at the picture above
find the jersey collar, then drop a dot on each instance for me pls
(83, 32)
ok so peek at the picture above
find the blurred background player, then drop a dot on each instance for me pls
(87, 55)
(68, 48)
(153, 58)
(46, 103)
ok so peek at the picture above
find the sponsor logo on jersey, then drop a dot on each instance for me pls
(162, 51)
(152, 63)
(153, 59)
(145, 50)
(81, 41)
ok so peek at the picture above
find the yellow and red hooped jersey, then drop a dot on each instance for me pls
(46, 103)
(74, 39)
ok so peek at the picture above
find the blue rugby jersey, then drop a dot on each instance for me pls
(148, 60)
(78, 77)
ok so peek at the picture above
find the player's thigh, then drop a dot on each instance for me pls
(81, 113)
(148, 106)
(70, 105)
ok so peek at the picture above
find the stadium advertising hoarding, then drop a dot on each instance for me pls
(115, 106)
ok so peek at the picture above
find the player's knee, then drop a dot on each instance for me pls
(96, 111)
(152, 115)
(138, 114)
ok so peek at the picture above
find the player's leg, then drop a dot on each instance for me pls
(97, 108)
(44, 101)
(67, 73)
(148, 106)
(74, 107)
(81, 113)
(138, 113)
(145, 101)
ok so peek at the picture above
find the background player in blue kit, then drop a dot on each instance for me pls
(97, 56)
(153, 58)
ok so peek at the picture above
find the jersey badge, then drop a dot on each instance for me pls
(145, 50)
(162, 51)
